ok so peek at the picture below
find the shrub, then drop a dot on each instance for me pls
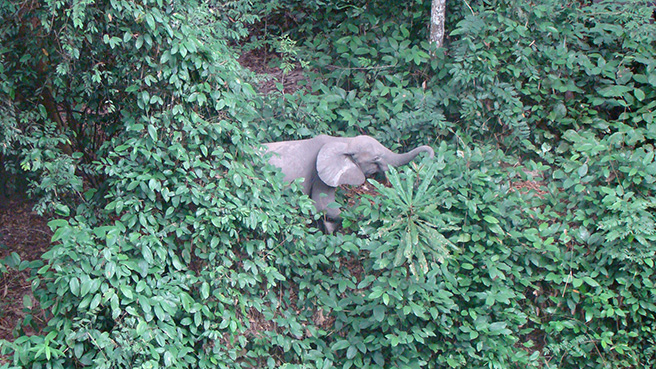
(152, 267)
(164, 277)
(564, 84)
(188, 253)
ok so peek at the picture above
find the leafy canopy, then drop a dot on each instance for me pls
(175, 246)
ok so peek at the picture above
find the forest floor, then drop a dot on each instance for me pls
(26, 233)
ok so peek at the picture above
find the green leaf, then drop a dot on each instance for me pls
(467, 266)
(376, 293)
(399, 258)
(152, 131)
(591, 282)
(652, 79)
(127, 291)
(490, 219)
(57, 223)
(408, 248)
(147, 254)
(74, 285)
(421, 258)
(27, 301)
(110, 269)
(497, 328)
(168, 359)
(85, 285)
(340, 345)
(351, 352)
(205, 290)
(159, 312)
(614, 91)
(379, 312)
(139, 42)
(95, 302)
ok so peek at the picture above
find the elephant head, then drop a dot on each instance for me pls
(350, 160)
(326, 162)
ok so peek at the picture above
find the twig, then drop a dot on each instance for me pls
(470, 8)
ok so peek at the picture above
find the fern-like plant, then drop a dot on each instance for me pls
(410, 228)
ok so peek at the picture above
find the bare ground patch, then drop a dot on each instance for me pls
(26, 233)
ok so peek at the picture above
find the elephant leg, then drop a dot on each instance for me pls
(330, 226)
(324, 200)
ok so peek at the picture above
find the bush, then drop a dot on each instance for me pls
(188, 254)
(366, 74)
(152, 267)
(74, 73)
(452, 318)
(163, 277)
(564, 84)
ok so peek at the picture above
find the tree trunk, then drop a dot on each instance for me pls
(438, 12)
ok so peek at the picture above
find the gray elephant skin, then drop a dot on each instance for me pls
(325, 162)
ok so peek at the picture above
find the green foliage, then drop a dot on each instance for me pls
(467, 311)
(74, 72)
(181, 249)
(407, 221)
(543, 279)
(158, 280)
(287, 48)
(154, 264)
(59, 186)
(608, 265)
(367, 74)
(535, 71)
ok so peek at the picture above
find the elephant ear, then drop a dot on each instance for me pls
(335, 166)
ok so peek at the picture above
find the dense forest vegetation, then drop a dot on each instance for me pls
(529, 241)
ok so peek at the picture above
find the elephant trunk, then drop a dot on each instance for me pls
(396, 160)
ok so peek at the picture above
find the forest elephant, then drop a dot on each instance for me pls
(325, 162)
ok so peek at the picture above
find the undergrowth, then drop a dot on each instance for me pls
(176, 246)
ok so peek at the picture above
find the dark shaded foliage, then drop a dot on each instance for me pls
(174, 246)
